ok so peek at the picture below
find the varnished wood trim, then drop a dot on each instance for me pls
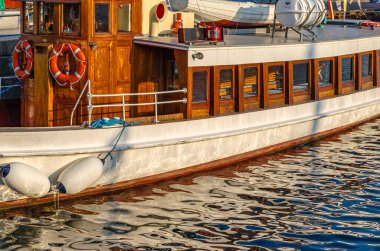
(182, 172)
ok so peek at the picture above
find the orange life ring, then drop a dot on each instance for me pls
(80, 59)
(22, 46)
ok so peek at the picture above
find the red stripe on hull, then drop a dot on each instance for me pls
(233, 24)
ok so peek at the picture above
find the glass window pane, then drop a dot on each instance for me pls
(367, 65)
(225, 84)
(28, 17)
(172, 78)
(275, 79)
(301, 76)
(250, 81)
(199, 86)
(71, 18)
(325, 72)
(46, 18)
(347, 69)
(124, 17)
(101, 17)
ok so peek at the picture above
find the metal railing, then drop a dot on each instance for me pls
(17, 84)
(91, 106)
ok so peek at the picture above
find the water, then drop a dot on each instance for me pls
(321, 196)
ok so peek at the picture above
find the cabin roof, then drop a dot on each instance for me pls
(332, 40)
(328, 33)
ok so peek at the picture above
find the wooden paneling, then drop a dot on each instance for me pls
(123, 66)
(326, 94)
(348, 89)
(301, 98)
(222, 106)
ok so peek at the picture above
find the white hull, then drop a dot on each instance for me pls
(153, 150)
(231, 13)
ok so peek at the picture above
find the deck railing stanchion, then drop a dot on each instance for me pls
(155, 108)
(123, 107)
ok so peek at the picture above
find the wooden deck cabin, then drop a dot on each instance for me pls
(244, 73)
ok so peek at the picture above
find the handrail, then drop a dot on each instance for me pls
(78, 100)
(91, 106)
(9, 86)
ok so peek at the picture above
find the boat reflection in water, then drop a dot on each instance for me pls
(317, 196)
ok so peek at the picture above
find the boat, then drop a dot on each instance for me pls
(233, 13)
(9, 15)
(113, 97)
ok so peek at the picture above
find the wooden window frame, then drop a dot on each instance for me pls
(376, 76)
(291, 77)
(241, 81)
(266, 79)
(201, 105)
(369, 78)
(22, 17)
(56, 19)
(124, 33)
(110, 18)
(317, 88)
(340, 70)
(217, 83)
(71, 34)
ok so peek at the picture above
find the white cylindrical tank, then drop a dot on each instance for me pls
(295, 13)
(80, 175)
(25, 179)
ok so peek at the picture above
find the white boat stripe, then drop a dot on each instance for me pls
(76, 74)
(57, 74)
(76, 51)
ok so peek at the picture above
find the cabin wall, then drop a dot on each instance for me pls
(322, 81)
(164, 26)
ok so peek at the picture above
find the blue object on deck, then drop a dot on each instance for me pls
(110, 122)
(374, 1)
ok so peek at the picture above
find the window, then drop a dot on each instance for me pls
(102, 17)
(275, 79)
(301, 76)
(46, 18)
(172, 79)
(71, 18)
(28, 17)
(250, 82)
(124, 17)
(225, 84)
(347, 69)
(325, 73)
(200, 80)
(366, 65)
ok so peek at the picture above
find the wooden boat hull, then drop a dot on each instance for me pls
(232, 14)
(153, 152)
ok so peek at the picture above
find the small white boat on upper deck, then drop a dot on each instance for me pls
(233, 13)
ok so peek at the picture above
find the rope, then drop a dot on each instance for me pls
(102, 122)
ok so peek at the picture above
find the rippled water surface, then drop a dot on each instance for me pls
(324, 195)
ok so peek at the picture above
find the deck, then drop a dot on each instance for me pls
(332, 40)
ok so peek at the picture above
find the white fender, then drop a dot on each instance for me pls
(80, 175)
(25, 179)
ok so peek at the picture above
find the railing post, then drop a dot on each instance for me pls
(123, 107)
(155, 108)
(89, 106)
